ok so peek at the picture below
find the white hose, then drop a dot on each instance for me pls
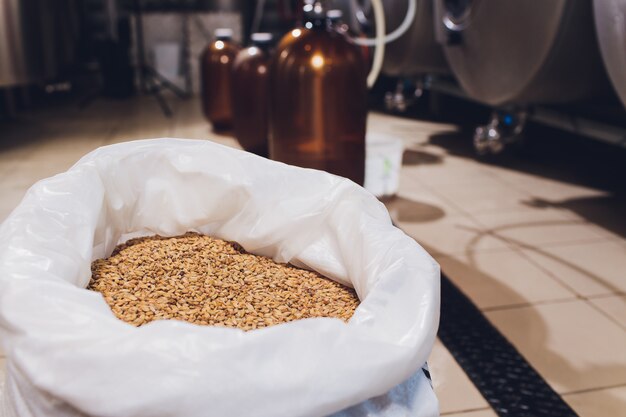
(400, 30)
(379, 42)
(258, 16)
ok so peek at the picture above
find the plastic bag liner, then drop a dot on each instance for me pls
(67, 355)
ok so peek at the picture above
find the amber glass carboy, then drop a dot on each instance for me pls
(215, 73)
(319, 100)
(250, 94)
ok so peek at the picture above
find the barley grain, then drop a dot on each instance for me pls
(209, 281)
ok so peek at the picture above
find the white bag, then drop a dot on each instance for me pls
(67, 355)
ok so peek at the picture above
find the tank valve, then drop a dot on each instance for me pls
(504, 128)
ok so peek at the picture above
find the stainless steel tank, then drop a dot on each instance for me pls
(37, 39)
(20, 46)
(610, 16)
(523, 51)
(416, 52)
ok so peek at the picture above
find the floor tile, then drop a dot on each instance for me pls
(482, 197)
(590, 269)
(13, 150)
(453, 234)
(497, 279)
(5, 167)
(2, 372)
(573, 346)
(548, 189)
(10, 198)
(605, 212)
(601, 403)
(193, 130)
(2, 382)
(477, 413)
(538, 227)
(27, 172)
(76, 146)
(137, 130)
(189, 123)
(415, 192)
(453, 388)
(613, 306)
(419, 210)
(447, 172)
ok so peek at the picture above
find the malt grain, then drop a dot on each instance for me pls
(209, 281)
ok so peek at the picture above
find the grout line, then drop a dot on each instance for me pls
(516, 186)
(574, 297)
(577, 295)
(582, 391)
(557, 278)
(605, 314)
(468, 410)
(515, 244)
(585, 241)
(472, 216)
(437, 254)
(600, 296)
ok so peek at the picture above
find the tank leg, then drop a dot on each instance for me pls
(504, 128)
(396, 101)
(406, 93)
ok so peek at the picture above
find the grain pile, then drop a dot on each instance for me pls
(209, 281)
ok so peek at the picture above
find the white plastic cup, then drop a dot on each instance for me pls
(383, 161)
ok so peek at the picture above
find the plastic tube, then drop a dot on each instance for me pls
(399, 31)
(258, 16)
(379, 42)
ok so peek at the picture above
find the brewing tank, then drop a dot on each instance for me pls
(610, 17)
(18, 45)
(416, 52)
(37, 40)
(522, 51)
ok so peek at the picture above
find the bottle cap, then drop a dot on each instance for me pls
(334, 14)
(261, 37)
(314, 10)
(223, 33)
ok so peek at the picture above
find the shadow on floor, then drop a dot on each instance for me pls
(607, 212)
(564, 372)
(496, 233)
(409, 211)
(414, 157)
(552, 154)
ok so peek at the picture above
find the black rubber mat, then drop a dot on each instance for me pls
(507, 381)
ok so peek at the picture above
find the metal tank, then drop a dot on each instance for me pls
(20, 44)
(416, 52)
(610, 16)
(523, 51)
(37, 39)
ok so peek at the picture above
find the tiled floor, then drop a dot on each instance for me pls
(541, 251)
